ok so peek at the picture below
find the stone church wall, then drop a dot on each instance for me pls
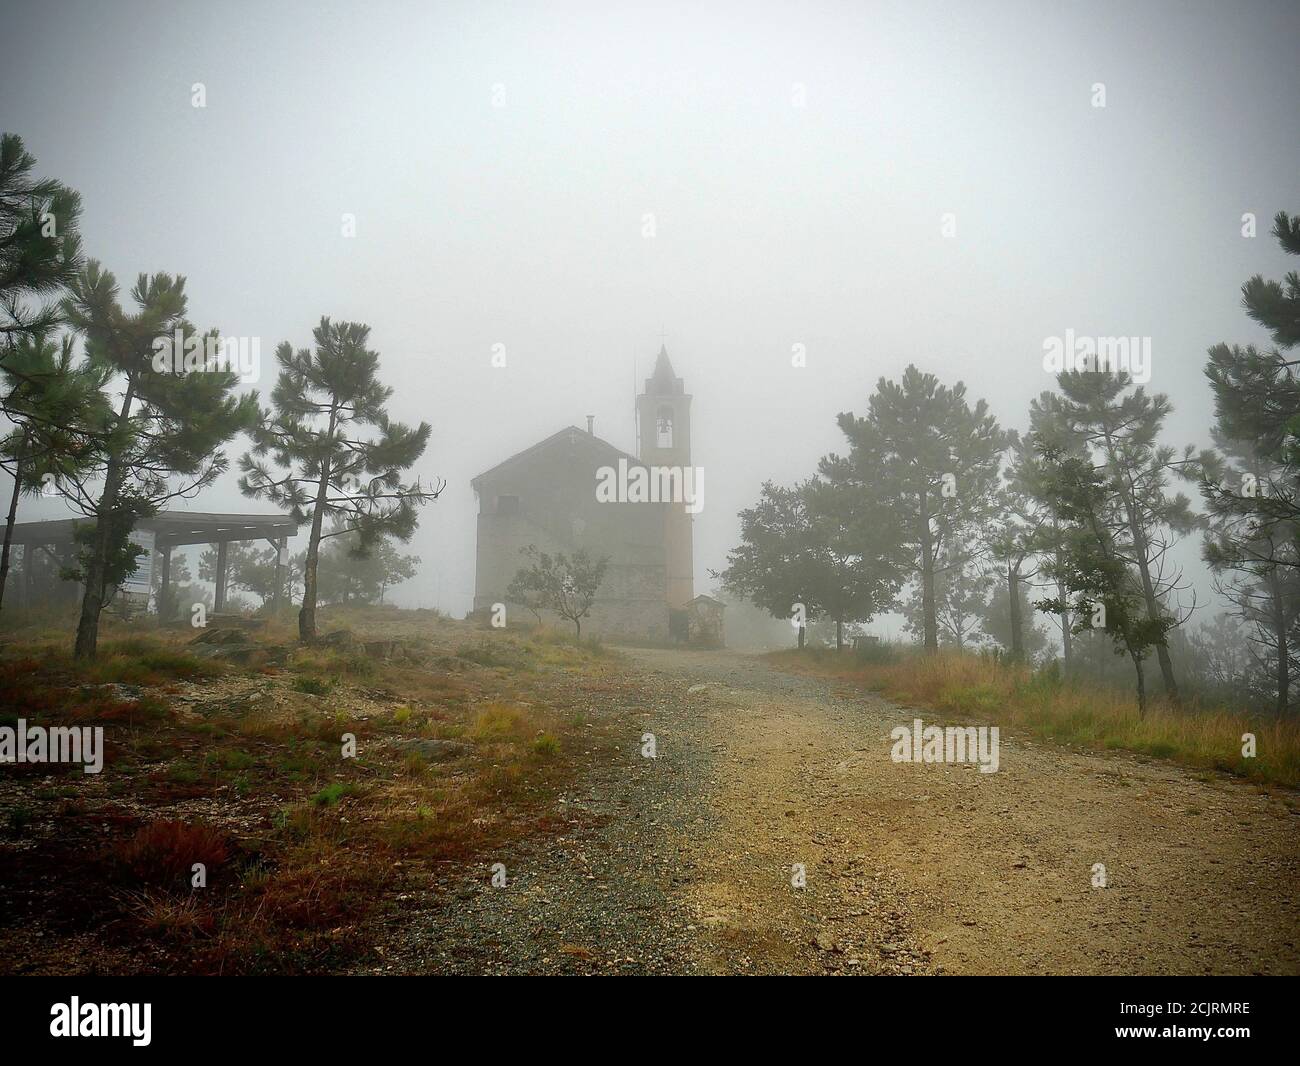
(550, 501)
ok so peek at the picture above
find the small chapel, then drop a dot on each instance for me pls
(546, 496)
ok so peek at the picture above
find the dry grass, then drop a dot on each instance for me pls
(173, 917)
(1071, 712)
(141, 659)
(164, 852)
(302, 845)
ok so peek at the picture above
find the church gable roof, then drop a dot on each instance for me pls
(571, 437)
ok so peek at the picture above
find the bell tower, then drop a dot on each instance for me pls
(664, 415)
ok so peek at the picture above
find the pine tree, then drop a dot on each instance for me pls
(161, 440)
(40, 255)
(1257, 400)
(40, 249)
(1121, 429)
(1254, 551)
(1273, 305)
(1049, 431)
(322, 466)
(58, 410)
(1101, 587)
(1251, 482)
(932, 460)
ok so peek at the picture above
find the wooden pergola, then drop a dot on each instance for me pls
(171, 529)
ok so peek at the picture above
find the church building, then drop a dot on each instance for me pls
(547, 496)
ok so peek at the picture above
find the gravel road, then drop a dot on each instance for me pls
(690, 862)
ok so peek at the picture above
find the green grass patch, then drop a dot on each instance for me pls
(330, 795)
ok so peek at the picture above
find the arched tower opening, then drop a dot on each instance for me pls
(664, 427)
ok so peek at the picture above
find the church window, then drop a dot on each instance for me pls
(664, 428)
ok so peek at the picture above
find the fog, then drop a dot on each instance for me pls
(581, 183)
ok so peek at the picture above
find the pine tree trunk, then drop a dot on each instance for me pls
(930, 622)
(1283, 674)
(307, 614)
(1142, 685)
(1167, 672)
(92, 600)
(1153, 607)
(9, 530)
(839, 634)
(1065, 614)
(1283, 647)
(801, 632)
(1013, 590)
(1162, 649)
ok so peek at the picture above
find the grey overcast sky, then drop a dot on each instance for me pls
(798, 159)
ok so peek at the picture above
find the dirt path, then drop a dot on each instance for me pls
(685, 863)
(939, 867)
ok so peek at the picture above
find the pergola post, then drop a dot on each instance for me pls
(220, 601)
(165, 585)
(279, 544)
(29, 575)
